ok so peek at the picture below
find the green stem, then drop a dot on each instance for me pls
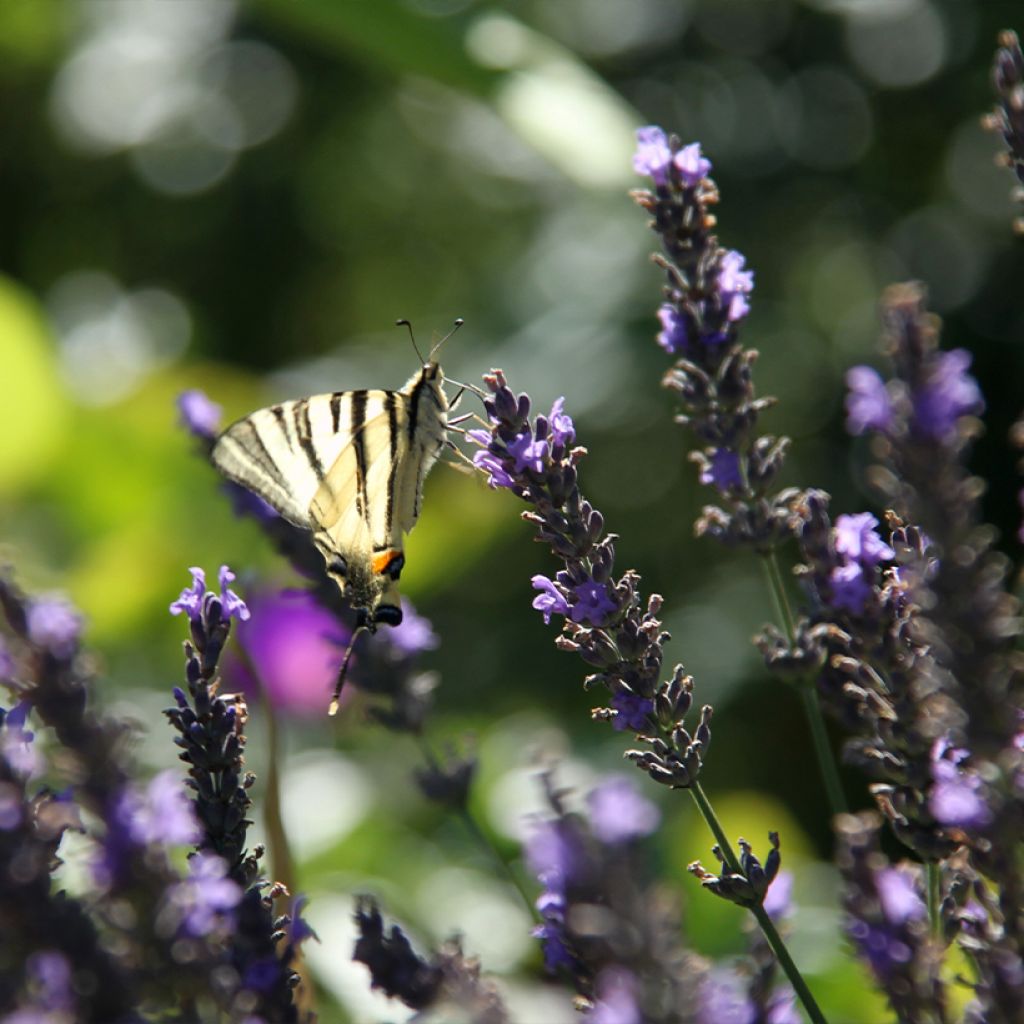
(768, 928)
(934, 877)
(483, 841)
(812, 708)
(786, 962)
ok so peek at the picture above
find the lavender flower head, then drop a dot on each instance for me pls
(197, 602)
(619, 813)
(55, 625)
(198, 414)
(204, 902)
(616, 998)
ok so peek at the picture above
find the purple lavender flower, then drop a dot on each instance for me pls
(722, 470)
(593, 604)
(191, 599)
(563, 430)
(528, 452)
(957, 797)
(196, 600)
(550, 601)
(54, 624)
(868, 405)
(234, 606)
(850, 589)
(674, 336)
(198, 414)
(618, 813)
(632, 711)
(691, 164)
(653, 154)
(735, 284)
(203, 902)
(295, 646)
(949, 393)
(616, 1002)
(857, 540)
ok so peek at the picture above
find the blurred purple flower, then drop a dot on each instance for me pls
(198, 415)
(550, 601)
(735, 284)
(165, 814)
(51, 974)
(633, 711)
(298, 929)
(618, 812)
(295, 646)
(653, 155)
(723, 1000)
(563, 430)
(951, 392)
(413, 635)
(722, 470)
(592, 604)
(857, 540)
(16, 743)
(957, 795)
(674, 336)
(868, 406)
(692, 164)
(204, 901)
(898, 895)
(778, 900)
(10, 806)
(54, 624)
(850, 589)
(6, 662)
(883, 949)
(615, 1001)
(552, 854)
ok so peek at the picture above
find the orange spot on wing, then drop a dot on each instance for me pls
(381, 562)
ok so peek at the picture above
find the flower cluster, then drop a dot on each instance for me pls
(887, 922)
(707, 295)
(1008, 116)
(599, 924)
(605, 620)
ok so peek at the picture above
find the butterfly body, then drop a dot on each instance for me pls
(349, 467)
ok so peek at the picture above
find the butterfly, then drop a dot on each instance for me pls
(348, 467)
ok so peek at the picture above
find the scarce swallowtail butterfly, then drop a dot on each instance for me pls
(349, 467)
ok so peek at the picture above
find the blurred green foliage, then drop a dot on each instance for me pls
(243, 198)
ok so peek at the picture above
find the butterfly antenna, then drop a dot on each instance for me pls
(408, 326)
(458, 323)
(336, 696)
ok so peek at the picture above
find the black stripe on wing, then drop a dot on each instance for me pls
(357, 420)
(304, 433)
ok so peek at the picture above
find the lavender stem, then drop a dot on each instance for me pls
(768, 929)
(812, 707)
